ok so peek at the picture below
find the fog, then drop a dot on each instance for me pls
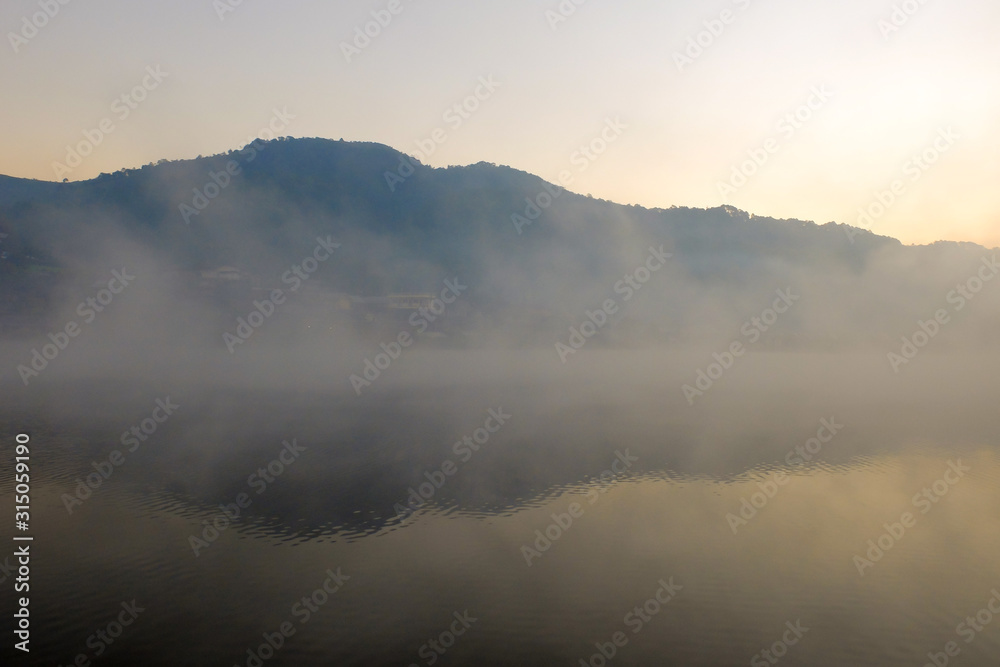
(713, 361)
(414, 385)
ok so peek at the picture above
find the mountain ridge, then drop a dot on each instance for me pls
(16, 189)
(523, 245)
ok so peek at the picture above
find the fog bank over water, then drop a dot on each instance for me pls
(382, 327)
(564, 425)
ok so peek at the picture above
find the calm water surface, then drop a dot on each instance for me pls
(615, 490)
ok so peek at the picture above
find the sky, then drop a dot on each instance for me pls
(881, 114)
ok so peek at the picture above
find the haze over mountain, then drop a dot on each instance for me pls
(534, 257)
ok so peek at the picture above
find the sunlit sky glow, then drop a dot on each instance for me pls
(686, 130)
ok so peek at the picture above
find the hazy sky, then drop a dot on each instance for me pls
(881, 96)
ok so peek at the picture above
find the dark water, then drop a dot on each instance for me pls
(657, 526)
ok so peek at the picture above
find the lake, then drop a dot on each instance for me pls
(502, 508)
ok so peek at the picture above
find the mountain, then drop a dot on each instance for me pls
(532, 254)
